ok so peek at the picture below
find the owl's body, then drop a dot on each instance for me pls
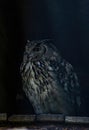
(49, 81)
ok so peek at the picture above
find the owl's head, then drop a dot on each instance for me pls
(36, 50)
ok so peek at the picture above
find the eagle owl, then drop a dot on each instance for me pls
(49, 81)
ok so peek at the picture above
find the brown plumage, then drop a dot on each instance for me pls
(49, 81)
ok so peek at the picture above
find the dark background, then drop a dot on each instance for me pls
(65, 21)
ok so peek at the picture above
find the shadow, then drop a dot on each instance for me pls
(16, 42)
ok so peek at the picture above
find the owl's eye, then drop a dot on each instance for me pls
(36, 49)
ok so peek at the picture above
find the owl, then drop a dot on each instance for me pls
(49, 81)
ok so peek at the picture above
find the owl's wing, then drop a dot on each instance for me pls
(69, 80)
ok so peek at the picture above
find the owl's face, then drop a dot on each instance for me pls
(35, 50)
